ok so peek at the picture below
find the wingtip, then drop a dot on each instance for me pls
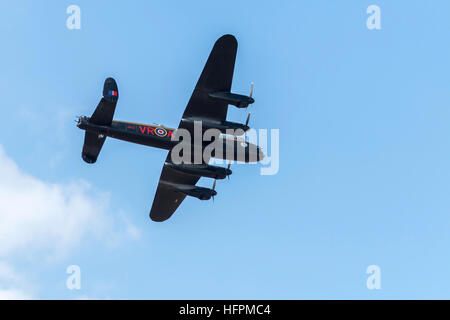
(157, 218)
(158, 215)
(227, 38)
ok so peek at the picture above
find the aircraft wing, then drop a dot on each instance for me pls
(167, 199)
(216, 76)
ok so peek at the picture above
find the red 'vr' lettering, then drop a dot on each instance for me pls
(150, 130)
(142, 129)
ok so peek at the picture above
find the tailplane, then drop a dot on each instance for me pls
(103, 116)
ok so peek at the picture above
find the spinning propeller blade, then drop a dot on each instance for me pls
(251, 94)
(214, 187)
(248, 118)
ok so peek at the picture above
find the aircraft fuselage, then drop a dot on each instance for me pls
(161, 137)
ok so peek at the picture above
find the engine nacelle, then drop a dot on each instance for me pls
(203, 170)
(196, 192)
(234, 99)
(222, 126)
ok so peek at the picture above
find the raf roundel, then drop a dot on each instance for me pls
(160, 132)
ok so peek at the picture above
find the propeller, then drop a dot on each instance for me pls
(214, 186)
(248, 118)
(229, 165)
(251, 94)
(78, 120)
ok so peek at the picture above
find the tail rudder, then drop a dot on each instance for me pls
(104, 113)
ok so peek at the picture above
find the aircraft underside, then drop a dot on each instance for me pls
(198, 138)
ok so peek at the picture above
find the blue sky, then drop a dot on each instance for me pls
(364, 151)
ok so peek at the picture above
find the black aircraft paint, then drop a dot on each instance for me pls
(208, 104)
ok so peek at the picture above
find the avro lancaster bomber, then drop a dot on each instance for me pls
(207, 106)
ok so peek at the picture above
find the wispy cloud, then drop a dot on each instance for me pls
(12, 284)
(13, 294)
(47, 220)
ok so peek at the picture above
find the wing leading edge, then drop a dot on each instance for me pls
(217, 76)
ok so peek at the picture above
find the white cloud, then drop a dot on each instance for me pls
(10, 280)
(8, 274)
(13, 294)
(47, 220)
